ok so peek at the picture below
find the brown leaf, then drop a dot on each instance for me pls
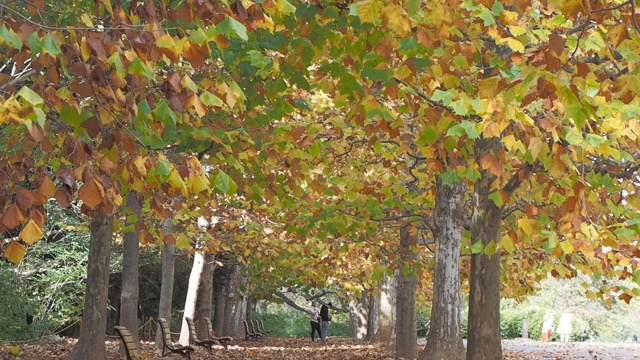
(63, 196)
(239, 9)
(12, 217)
(556, 43)
(25, 200)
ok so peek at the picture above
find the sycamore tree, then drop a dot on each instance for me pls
(532, 104)
(126, 96)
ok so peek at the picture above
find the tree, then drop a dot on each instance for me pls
(129, 292)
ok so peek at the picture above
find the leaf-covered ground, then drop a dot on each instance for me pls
(335, 349)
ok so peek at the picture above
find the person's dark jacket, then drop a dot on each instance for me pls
(324, 313)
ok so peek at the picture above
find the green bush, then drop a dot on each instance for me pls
(15, 309)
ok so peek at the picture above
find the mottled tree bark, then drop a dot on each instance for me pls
(91, 344)
(387, 308)
(192, 295)
(358, 317)
(406, 332)
(230, 301)
(484, 341)
(166, 287)
(445, 337)
(372, 319)
(205, 296)
(130, 290)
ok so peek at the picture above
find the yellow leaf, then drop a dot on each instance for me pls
(507, 244)
(86, 20)
(15, 252)
(490, 129)
(177, 183)
(534, 147)
(527, 225)
(47, 188)
(166, 42)
(138, 166)
(515, 45)
(30, 233)
(397, 19)
(370, 10)
(85, 50)
(182, 242)
(107, 5)
(566, 247)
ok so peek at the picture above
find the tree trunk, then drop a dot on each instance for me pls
(166, 287)
(192, 296)
(372, 319)
(358, 317)
(385, 320)
(129, 291)
(406, 332)
(218, 315)
(262, 306)
(91, 344)
(205, 298)
(484, 294)
(230, 301)
(445, 338)
(240, 309)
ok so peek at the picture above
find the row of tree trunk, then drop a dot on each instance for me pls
(444, 339)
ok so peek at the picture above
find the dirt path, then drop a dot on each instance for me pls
(536, 350)
(336, 349)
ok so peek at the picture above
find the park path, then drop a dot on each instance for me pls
(537, 350)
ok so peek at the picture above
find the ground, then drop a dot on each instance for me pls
(335, 349)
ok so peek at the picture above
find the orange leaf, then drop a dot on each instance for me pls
(47, 188)
(91, 193)
(15, 252)
(12, 217)
(30, 233)
(38, 216)
(490, 163)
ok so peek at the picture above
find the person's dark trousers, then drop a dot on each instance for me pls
(315, 326)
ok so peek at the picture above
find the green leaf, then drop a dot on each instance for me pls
(30, 96)
(443, 96)
(115, 60)
(477, 247)
(459, 107)
(50, 45)
(413, 7)
(225, 184)
(450, 177)
(209, 99)
(230, 26)
(10, 37)
(428, 136)
(487, 17)
(139, 68)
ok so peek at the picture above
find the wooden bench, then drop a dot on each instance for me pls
(167, 344)
(263, 329)
(256, 328)
(223, 340)
(248, 334)
(207, 343)
(130, 345)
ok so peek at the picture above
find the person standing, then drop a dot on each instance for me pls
(326, 319)
(564, 327)
(314, 320)
(547, 326)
